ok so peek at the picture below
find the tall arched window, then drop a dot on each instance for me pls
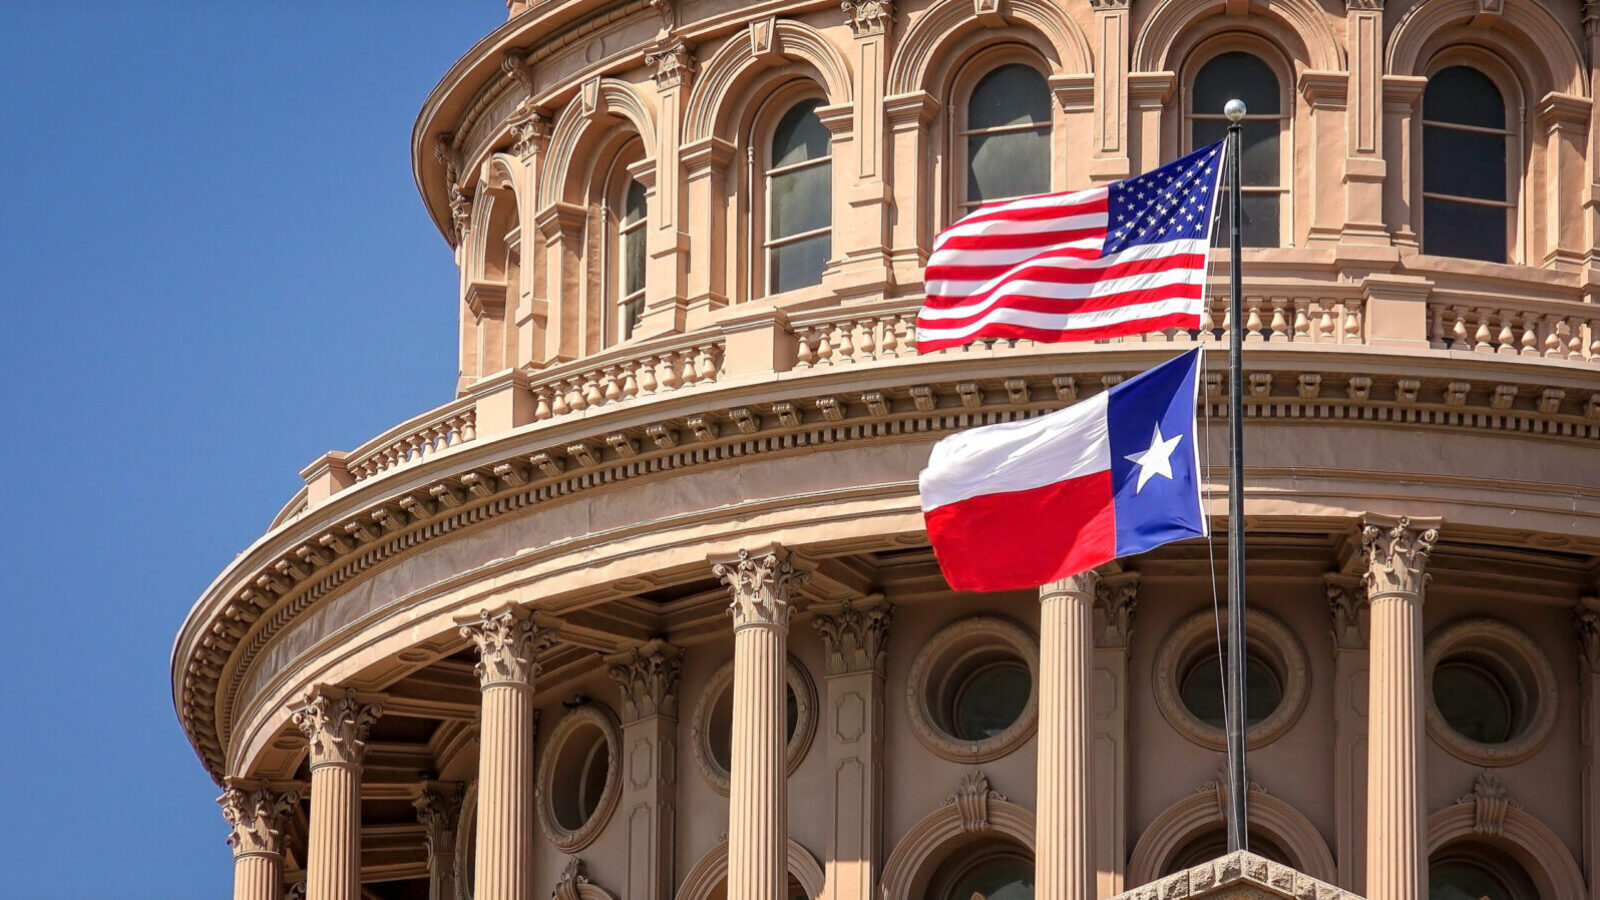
(1477, 872)
(799, 189)
(1007, 137)
(992, 870)
(1466, 210)
(1241, 75)
(630, 260)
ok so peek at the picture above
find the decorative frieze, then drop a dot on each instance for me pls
(648, 676)
(760, 585)
(855, 636)
(256, 817)
(508, 643)
(335, 723)
(1396, 551)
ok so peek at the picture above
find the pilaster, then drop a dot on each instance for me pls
(911, 232)
(648, 678)
(1565, 121)
(508, 643)
(1402, 98)
(1114, 607)
(1396, 553)
(1591, 196)
(705, 170)
(562, 225)
(1586, 621)
(1111, 160)
(1062, 850)
(1351, 624)
(1327, 95)
(761, 585)
(673, 65)
(335, 722)
(438, 806)
(1364, 166)
(530, 132)
(1148, 95)
(855, 637)
(257, 818)
(862, 240)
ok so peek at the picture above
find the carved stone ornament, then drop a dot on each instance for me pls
(460, 212)
(529, 129)
(1114, 605)
(971, 800)
(672, 62)
(335, 723)
(1490, 802)
(573, 877)
(1396, 555)
(256, 818)
(439, 810)
(856, 637)
(444, 151)
(868, 16)
(515, 64)
(648, 677)
(508, 644)
(296, 891)
(1363, 5)
(760, 586)
(1347, 604)
(1586, 619)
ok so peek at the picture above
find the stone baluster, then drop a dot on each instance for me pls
(1066, 643)
(438, 807)
(508, 642)
(1347, 604)
(761, 585)
(257, 818)
(855, 636)
(648, 677)
(335, 722)
(1396, 551)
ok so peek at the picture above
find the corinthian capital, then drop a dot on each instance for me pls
(1347, 604)
(868, 16)
(761, 586)
(508, 643)
(256, 817)
(672, 61)
(336, 725)
(529, 129)
(856, 636)
(1586, 619)
(1396, 551)
(1114, 605)
(648, 677)
(438, 807)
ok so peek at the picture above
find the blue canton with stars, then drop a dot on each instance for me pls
(1166, 204)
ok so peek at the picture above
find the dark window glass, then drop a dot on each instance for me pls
(1464, 163)
(1005, 877)
(1465, 158)
(1246, 77)
(719, 725)
(799, 200)
(1237, 75)
(1464, 230)
(799, 263)
(1473, 701)
(800, 136)
(632, 234)
(990, 699)
(1202, 692)
(1478, 872)
(1008, 135)
(1461, 95)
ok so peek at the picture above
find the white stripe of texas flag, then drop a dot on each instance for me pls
(1019, 456)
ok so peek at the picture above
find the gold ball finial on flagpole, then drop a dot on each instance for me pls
(1234, 110)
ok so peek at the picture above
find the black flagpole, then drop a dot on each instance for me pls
(1238, 782)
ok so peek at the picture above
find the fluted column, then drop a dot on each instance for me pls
(1066, 642)
(1586, 618)
(335, 722)
(856, 637)
(1396, 551)
(648, 677)
(758, 827)
(438, 806)
(1347, 604)
(256, 817)
(508, 644)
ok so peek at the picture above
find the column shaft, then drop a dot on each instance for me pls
(1062, 860)
(257, 818)
(257, 877)
(758, 792)
(333, 851)
(505, 794)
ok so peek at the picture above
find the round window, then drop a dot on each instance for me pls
(712, 736)
(1203, 693)
(578, 782)
(973, 692)
(1492, 692)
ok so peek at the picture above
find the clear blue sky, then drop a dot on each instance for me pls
(214, 267)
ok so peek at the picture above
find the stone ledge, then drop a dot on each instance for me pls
(1241, 874)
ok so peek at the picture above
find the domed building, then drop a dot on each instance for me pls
(649, 612)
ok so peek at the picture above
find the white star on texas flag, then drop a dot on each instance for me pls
(1157, 460)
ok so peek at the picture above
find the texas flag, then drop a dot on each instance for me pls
(1021, 504)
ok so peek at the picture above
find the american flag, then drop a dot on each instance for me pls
(1125, 258)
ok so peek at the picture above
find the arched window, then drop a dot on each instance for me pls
(1006, 137)
(630, 260)
(1241, 75)
(1213, 844)
(995, 870)
(1466, 210)
(799, 190)
(1477, 872)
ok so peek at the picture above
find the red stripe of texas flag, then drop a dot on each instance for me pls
(995, 541)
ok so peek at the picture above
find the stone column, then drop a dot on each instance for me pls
(856, 637)
(335, 722)
(1108, 687)
(439, 810)
(1587, 619)
(1066, 642)
(256, 817)
(758, 829)
(1347, 603)
(508, 644)
(648, 676)
(1396, 550)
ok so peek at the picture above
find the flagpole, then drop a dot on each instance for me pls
(1238, 781)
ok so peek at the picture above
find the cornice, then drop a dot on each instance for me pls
(289, 570)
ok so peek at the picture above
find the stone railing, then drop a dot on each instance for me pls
(627, 372)
(415, 440)
(1549, 330)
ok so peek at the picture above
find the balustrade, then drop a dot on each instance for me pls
(652, 372)
(412, 443)
(1526, 331)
